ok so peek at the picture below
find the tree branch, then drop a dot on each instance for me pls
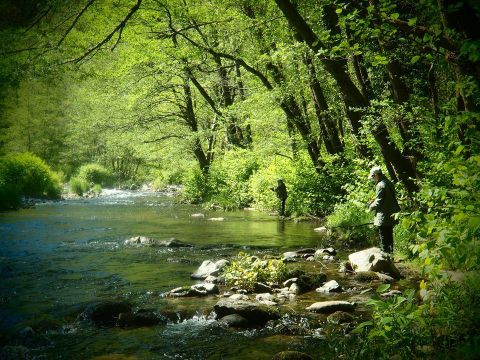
(72, 25)
(118, 28)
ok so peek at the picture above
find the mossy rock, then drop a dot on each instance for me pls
(365, 276)
(291, 355)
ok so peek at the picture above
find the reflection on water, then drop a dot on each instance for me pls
(60, 256)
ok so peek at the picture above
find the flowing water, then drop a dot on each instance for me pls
(60, 256)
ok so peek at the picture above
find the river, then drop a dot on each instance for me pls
(60, 256)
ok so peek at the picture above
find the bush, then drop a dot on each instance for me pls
(78, 186)
(345, 221)
(95, 174)
(28, 175)
(246, 270)
(228, 180)
(195, 186)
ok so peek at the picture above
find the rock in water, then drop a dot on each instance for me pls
(209, 268)
(330, 287)
(331, 306)
(373, 259)
(255, 313)
(106, 313)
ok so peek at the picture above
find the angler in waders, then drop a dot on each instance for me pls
(281, 192)
(385, 206)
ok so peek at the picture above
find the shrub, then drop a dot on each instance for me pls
(195, 186)
(78, 186)
(95, 174)
(246, 270)
(228, 180)
(346, 219)
(28, 175)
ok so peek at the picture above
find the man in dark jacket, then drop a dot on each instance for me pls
(281, 192)
(385, 206)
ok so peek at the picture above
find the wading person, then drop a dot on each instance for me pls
(385, 206)
(281, 192)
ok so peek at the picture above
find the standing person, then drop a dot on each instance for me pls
(385, 206)
(281, 192)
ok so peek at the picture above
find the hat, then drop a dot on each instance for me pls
(375, 170)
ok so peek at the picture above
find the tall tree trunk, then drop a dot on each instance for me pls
(191, 120)
(327, 125)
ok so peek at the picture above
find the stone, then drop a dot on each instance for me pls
(198, 215)
(194, 290)
(365, 276)
(140, 318)
(255, 313)
(321, 229)
(291, 355)
(261, 288)
(234, 320)
(208, 268)
(266, 297)
(320, 253)
(387, 279)
(330, 287)
(373, 259)
(340, 317)
(331, 306)
(391, 293)
(302, 253)
(239, 297)
(105, 313)
(345, 267)
(216, 219)
(143, 240)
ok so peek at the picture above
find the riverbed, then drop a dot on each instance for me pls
(59, 257)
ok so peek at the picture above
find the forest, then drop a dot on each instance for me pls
(224, 97)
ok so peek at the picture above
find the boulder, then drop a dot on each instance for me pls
(291, 355)
(321, 229)
(373, 259)
(302, 253)
(266, 298)
(140, 318)
(331, 306)
(345, 267)
(255, 313)
(198, 215)
(239, 297)
(208, 268)
(105, 313)
(340, 317)
(320, 253)
(365, 276)
(194, 290)
(330, 287)
(143, 240)
(216, 219)
(234, 320)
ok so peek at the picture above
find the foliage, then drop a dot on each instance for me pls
(246, 270)
(402, 326)
(195, 186)
(95, 174)
(447, 221)
(78, 186)
(229, 177)
(26, 174)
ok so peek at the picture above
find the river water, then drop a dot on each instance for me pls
(58, 257)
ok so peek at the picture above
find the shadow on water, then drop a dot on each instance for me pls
(59, 257)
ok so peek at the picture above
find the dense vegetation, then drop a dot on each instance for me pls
(226, 96)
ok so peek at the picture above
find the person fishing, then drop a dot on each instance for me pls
(384, 205)
(281, 192)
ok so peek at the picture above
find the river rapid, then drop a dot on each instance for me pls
(58, 257)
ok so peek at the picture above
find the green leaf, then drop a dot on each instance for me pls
(412, 21)
(395, 16)
(382, 288)
(414, 59)
(338, 11)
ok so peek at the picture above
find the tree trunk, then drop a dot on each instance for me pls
(352, 96)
